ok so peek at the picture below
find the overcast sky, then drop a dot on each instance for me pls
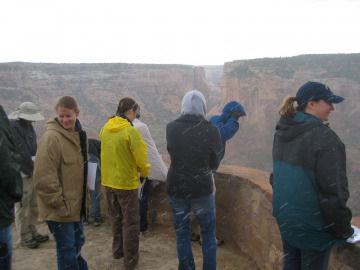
(193, 32)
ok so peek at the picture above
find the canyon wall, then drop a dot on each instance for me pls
(262, 84)
(98, 88)
(259, 84)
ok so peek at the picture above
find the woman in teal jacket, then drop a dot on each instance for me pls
(309, 179)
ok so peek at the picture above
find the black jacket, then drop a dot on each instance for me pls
(95, 147)
(11, 184)
(25, 138)
(194, 145)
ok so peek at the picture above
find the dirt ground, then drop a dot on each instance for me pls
(157, 251)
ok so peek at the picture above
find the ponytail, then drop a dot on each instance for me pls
(125, 104)
(288, 107)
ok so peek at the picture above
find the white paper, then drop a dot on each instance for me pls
(356, 236)
(23, 175)
(140, 189)
(91, 175)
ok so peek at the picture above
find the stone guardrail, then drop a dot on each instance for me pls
(244, 216)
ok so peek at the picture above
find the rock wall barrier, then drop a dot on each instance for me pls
(244, 216)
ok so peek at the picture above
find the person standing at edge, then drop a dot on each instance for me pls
(11, 188)
(60, 182)
(123, 155)
(194, 145)
(26, 211)
(310, 187)
(228, 125)
(158, 172)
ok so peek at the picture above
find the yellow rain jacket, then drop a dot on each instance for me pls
(123, 155)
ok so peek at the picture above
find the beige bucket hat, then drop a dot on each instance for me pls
(27, 111)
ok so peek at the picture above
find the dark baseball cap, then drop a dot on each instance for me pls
(316, 91)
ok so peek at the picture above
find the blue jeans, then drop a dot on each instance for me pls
(95, 200)
(204, 210)
(69, 237)
(6, 238)
(143, 206)
(300, 259)
(95, 194)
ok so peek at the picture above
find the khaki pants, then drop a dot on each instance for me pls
(125, 223)
(26, 212)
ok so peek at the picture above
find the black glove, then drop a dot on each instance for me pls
(143, 179)
(237, 115)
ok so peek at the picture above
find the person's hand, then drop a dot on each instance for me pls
(143, 179)
(237, 115)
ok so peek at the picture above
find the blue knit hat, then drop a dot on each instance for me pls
(316, 91)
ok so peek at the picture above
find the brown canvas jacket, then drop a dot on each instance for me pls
(58, 174)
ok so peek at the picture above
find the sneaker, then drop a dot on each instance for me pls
(41, 238)
(146, 231)
(86, 222)
(97, 222)
(29, 244)
(219, 242)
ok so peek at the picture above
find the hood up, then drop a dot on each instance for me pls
(229, 108)
(116, 123)
(194, 103)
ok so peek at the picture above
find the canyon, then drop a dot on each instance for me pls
(260, 85)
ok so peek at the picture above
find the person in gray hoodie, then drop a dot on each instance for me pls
(194, 145)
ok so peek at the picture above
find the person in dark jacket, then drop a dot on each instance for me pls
(94, 154)
(310, 187)
(11, 188)
(194, 145)
(228, 125)
(26, 211)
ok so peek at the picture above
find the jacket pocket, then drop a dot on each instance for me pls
(63, 210)
(70, 160)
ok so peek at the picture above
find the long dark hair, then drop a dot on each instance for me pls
(125, 104)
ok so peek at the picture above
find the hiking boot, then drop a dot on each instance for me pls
(97, 222)
(219, 242)
(41, 238)
(146, 231)
(29, 244)
(195, 237)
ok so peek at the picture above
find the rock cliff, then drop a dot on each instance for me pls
(259, 84)
(99, 87)
(262, 84)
